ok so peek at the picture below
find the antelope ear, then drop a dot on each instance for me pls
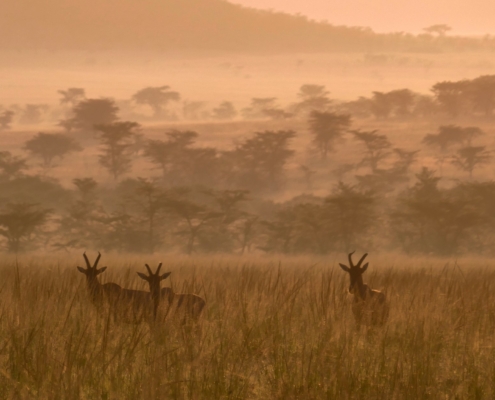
(143, 276)
(364, 268)
(345, 267)
(101, 270)
(81, 270)
(165, 275)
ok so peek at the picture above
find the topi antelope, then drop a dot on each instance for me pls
(154, 280)
(370, 306)
(132, 306)
(184, 305)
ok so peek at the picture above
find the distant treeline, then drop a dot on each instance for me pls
(143, 215)
(210, 200)
(198, 198)
(199, 25)
(452, 99)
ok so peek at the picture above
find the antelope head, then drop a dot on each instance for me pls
(355, 272)
(154, 279)
(91, 272)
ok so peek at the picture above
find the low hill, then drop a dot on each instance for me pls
(192, 25)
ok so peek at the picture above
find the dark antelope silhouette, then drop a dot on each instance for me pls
(369, 306)
(183, 305)
(126, 305)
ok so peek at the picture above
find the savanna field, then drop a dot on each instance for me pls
(246, 152)
(273, 327)
(261, 243)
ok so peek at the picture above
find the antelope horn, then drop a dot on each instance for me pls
(158, 269)
(88, 264)
(149, 269)
(350, 259)
(97, 260)
(362, 259)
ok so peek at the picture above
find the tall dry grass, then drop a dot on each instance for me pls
(272, 329)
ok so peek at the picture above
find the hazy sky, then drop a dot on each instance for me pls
(464, 16)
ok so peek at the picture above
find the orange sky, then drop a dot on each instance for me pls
(464, 16)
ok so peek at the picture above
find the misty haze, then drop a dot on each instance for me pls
(293, 201)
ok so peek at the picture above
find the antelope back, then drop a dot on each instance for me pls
(187, 305)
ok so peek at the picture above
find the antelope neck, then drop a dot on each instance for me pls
(361, 289)
(94, 286)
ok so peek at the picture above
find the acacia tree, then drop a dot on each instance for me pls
(265, 107)
(91, 112)
(12, 166)
(33, 113)
(430, 220)
(481, 91)
(402, 101)
(438, 29)
(327, 128)
(449, 136)
(353, 215)
(245, 231)
(259, 162)
(156, 97)
(72, 96)
(313, 97)
(151, 200)
(48, 146)
(451, 96)
(180, 162)
(6, 118)
(404, 160)
(224, 111)
(194, 111)
(469, 157)
(381, 107)
(376, 147)
(280, 232)
(116, 141)
(19, 223)
(194, 218)
(83, 225)
(233, 223)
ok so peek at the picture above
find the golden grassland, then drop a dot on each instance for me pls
(273, 328)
